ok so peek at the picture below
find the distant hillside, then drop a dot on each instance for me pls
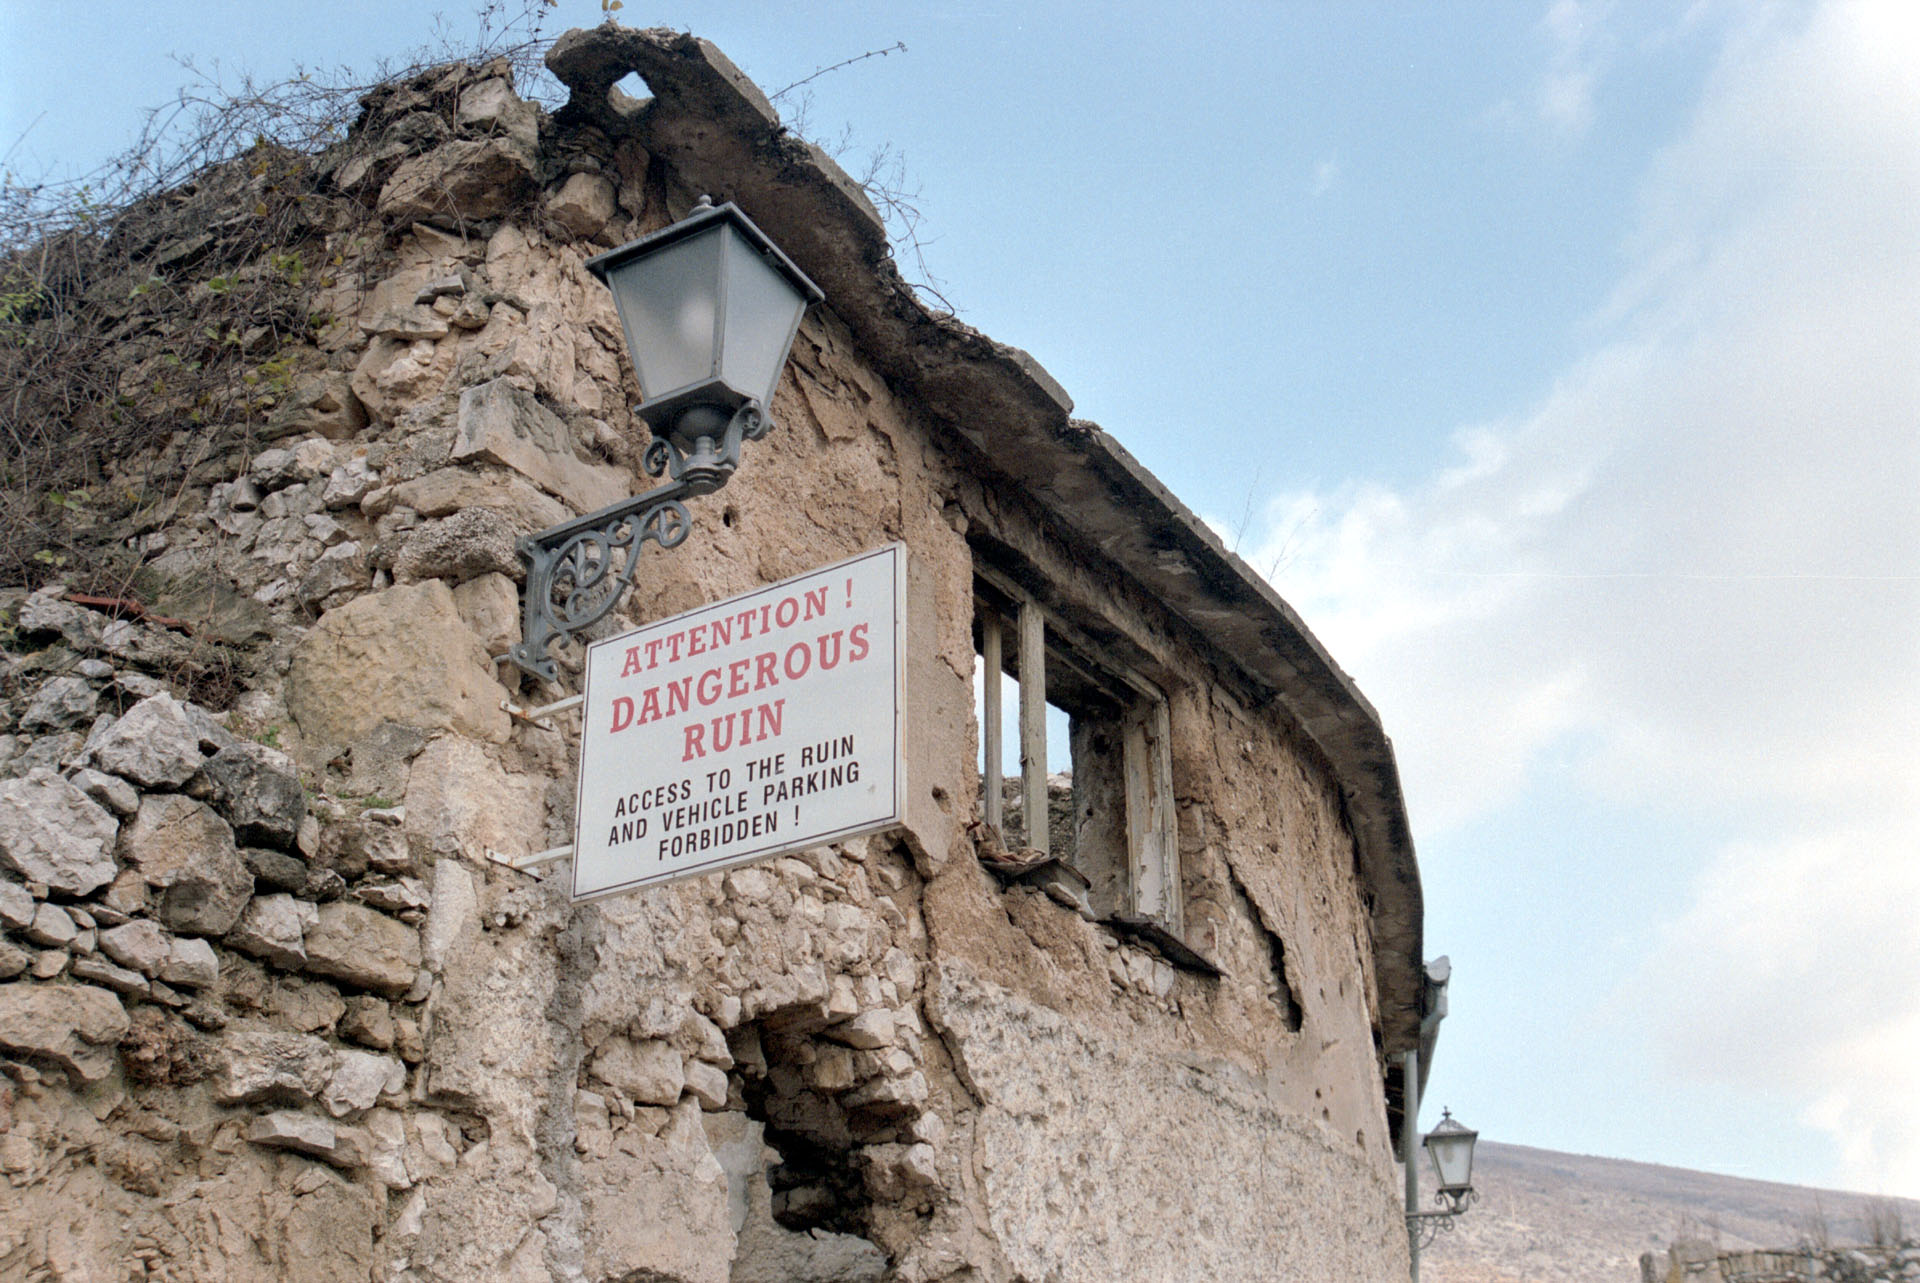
(1545, 1217)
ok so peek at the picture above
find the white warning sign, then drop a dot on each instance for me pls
(750, 728)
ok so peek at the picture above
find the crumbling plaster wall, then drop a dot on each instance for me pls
(267, 1010)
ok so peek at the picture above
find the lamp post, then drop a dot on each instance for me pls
(709, 306)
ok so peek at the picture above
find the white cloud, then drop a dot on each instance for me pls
(1696, 557)
(1564, 97)
(1325, 175)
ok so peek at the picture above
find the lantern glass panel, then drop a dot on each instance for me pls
(669, 305)
(763, 309)
(1452, 1155)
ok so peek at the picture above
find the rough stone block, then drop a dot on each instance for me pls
(362, 947)
(275, 870)
(449, 490)
(868, 1029)
(401, 655)
(476, 541)
(359, 1079)
(258, 1066)
(61, 703)
(121, 980)
(16, 906)
(461, 802)
(341, 568)
(273, 929)
(500, 423)
(159, 743)
(490, 606)
(109, 791)
(52, 927)
(584, 205)
(455, 905)
(258, 790)
(463, 179)
(72, 1026)
(708, 1083)
(186, 853)
(650, 1073)
(191, 964)
(51, 832)
(140, 944)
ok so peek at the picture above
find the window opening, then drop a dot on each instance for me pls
(1108, 790)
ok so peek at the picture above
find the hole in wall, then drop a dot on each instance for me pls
(730, 516)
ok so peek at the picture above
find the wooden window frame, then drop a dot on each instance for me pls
(1040, 638)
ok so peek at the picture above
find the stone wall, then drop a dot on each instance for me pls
(1702, 1262)
(268, 1009)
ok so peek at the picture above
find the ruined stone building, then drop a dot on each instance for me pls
(270, 1005)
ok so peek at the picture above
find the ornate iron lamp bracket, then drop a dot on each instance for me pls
(579, 570)
(1426, 1226)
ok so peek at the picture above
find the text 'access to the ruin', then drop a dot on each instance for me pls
(750, 728)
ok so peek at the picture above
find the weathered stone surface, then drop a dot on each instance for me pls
(275, 870)
(707, 1083)
(16, 905)
(491, 104)
(109, 791)
(159, 743)
(379, 761)
(461, 802)
(401, 655)
(191, 963)
(51, 832)
(359, 1079)
(273, 929)
(463, 179)
(139, 944)
(257, 789)
(677, 1176)
(52, 927)
(344, 1147)
(872, 1028)
(98, 971)
(290, 1129)
(477, 541)
(500, 423)
(455, 905)
(449, 490)
(44, 612)
(186, 853)
(407, 323)
(362, 947)
(13, 960)
(72, 1026)
(349, 483)
(649, 1073)
(584, 205)
(256, 1065)
(490, 606)
(341, 568)
(61, 703)
(1059, 1098)
(368, 1021)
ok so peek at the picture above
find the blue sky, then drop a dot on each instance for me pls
(1556, 359)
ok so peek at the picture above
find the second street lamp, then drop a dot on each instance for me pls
(1450, 1146)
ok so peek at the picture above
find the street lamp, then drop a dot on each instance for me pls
(1450, 1148)
(710, 307)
